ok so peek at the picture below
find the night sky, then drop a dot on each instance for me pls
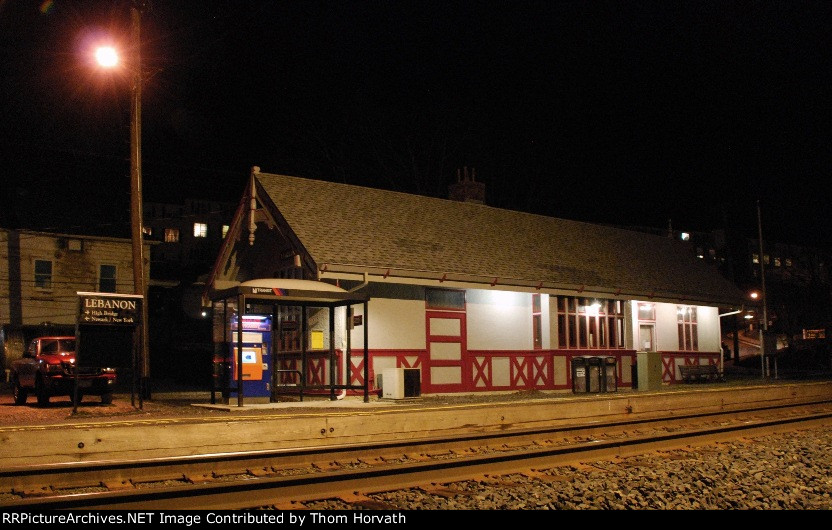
(624, 112)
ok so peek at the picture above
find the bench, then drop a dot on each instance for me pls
(698, 373)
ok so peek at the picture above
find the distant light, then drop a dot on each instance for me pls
(106, 56)
(205, 313)
(749, 317)
(754, 295)
(685, 236)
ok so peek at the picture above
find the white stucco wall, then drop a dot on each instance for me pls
(709, 329)
(393, 324)
(501, 320)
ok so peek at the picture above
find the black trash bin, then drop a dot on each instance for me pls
(610, 377)
(595, 375)
(579, 385)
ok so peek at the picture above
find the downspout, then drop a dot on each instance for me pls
(361, 285)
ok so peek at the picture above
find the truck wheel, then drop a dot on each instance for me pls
(42, 393)
(107, 399)
(20, 393)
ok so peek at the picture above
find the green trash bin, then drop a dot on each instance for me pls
(610, 374)
(595, 375)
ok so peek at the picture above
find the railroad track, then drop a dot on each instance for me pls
(287, 478)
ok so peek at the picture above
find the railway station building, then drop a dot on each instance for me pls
(476, 298)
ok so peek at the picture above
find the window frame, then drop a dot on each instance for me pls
(50, 280)
(101, 277)
(430, 307)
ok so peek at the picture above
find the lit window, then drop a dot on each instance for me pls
(755, 258)
(688, 335)
(776, 262)
(107, 279)
(684, 236)
(171, 235)
(200, 230)
(43, 274)
(646, 311)
(224, 231)
(590, 324)
(788, 262)
(766, 259)
(537, 322)
(147, 230)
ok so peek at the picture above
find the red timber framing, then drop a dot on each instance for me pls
(317, 368)
(500, 370)
(672, 360)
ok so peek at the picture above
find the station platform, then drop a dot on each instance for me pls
(180, 423)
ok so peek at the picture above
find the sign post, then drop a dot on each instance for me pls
(109, 309)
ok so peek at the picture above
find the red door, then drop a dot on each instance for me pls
(446, 370)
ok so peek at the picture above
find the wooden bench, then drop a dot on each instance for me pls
(698, 373)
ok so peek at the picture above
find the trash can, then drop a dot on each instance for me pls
(594, 374)
(610, 374)
(579, 375)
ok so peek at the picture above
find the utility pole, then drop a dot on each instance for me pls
(139, 284)
(764, 323)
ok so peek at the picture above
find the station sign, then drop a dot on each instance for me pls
(107, 309)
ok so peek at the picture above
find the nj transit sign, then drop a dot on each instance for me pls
(107, 309)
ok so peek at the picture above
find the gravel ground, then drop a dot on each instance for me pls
(789, 471)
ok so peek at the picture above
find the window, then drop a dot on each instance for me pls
(688, 339)
(107, 278)
(646, 312)
(788, 262)
(755, 258)
(147, 230)
(445, 299)
(171, 235)
(200, 229)
(537, 322)
(43, 274)
(590, 324)
(776, 262)
(224, 231)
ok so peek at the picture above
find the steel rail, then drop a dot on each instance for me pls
(272, 490)
(41, 477)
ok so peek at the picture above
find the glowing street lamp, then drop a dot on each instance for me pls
(106, 56)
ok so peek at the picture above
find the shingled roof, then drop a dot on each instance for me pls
(342, 225)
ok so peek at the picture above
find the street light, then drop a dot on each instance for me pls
(108, 57)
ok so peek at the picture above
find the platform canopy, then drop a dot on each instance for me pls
(289, 291)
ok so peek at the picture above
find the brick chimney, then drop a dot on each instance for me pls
(466, 188)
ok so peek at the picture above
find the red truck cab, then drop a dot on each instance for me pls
(48, 369)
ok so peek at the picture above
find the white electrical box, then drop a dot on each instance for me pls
(392, 383)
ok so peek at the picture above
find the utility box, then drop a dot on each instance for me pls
(400, 383)
(649, 365)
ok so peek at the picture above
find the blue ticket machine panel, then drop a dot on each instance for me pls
(257, 361)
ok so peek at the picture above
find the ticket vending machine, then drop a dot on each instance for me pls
(257, 359)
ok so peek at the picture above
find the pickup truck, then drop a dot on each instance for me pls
(48, 368)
